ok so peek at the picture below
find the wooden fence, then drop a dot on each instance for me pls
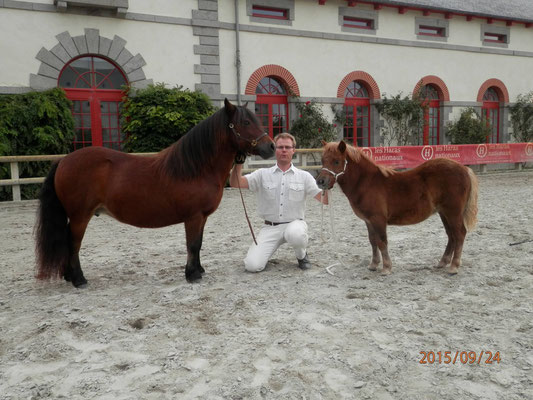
(308, 159)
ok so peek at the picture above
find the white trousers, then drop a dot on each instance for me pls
(269, 240)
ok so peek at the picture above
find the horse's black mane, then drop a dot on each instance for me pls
(197, 149)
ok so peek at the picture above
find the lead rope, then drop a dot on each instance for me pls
(246, 213)
(332, 236)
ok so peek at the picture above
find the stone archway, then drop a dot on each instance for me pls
(91, 43)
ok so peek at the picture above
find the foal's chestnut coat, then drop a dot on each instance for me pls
(381, 196)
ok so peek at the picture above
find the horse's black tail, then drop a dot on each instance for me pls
(52, 232)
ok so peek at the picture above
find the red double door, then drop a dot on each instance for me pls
(97, 117)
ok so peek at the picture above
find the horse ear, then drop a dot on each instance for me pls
(230, 108)
(342, 146)
(324, 143)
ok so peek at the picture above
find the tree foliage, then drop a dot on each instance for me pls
(522, 118)
(155, 117)
(470, 128)
(404, 119)
(312, 126)
(30, 124)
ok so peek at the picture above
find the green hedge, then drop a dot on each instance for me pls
(33, 123)
(155, 117)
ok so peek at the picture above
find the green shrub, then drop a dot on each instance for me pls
(470, 128)
(155, 117)
(30, 124)
(311, 127)
(404, 119)
(522, 118)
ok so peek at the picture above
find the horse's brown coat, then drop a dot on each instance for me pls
(183, 183)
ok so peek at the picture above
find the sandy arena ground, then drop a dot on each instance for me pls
(140, 331)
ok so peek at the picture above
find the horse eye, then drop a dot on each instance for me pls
(336, 162)
(246, 122)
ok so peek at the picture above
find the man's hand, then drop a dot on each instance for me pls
(240, 158)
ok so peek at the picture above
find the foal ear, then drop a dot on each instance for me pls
(342, 146)
(230, 108)
(324, 143)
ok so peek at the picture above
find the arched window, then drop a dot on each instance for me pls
(491, 111)
(94, 84)
(430, 98)
(271, 106)
(357, 110)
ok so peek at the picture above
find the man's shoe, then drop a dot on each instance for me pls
(304, 263)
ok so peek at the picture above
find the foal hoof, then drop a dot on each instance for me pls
(453, 270)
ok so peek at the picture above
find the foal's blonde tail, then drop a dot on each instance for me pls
(470, 212)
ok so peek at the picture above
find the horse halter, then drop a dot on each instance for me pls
(253, 142)
(340, 173)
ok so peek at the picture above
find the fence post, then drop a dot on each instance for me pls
(15, 176)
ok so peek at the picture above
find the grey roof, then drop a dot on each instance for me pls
(519, 10)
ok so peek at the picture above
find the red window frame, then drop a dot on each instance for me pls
(434, 31)
(491, 111)
(99, 136)
(357, 111)
(495, 37)
(273, 112)
(431, 101)
(431, 123)
(272, 106)
(270, 12)
(359, 23)
(104, 116)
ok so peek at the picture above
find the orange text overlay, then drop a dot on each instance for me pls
(459, 357)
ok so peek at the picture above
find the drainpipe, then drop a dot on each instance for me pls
(237, 52)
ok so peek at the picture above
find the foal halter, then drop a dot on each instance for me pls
(253, 142)
(340, 173)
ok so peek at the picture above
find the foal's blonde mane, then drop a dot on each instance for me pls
(355, 154)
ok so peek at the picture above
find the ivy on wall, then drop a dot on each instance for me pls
(31, 124)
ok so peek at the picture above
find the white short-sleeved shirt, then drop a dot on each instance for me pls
(281, 195)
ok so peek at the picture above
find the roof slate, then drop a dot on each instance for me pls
(520, 10)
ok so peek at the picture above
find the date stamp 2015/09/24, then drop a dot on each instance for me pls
(459, 357)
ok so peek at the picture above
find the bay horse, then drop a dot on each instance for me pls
(382, 196)
(182, 183)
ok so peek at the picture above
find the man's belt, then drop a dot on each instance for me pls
(275, 223)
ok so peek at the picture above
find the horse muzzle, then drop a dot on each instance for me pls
(265, 148)
(324, 182)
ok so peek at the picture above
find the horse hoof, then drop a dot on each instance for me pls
(194, 276)
(386, 271)
(372, 267)
(80, 283)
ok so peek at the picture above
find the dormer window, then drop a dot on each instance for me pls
(280, 12)
(495, 36)
(117, 7)
(270, 12)
(358, 21)
(361, 23)
(431, 29)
